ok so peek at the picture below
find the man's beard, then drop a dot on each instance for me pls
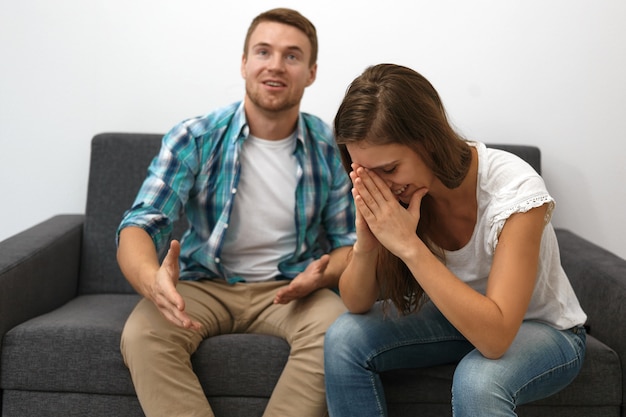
(272, 105)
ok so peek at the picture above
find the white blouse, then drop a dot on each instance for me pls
(507, 185)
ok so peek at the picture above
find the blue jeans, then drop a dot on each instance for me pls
(358, 347)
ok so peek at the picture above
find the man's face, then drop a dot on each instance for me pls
(276, 68)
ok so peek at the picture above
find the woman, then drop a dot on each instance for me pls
(456, 239)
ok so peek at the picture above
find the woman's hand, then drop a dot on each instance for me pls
(387, 221)
(365, 240)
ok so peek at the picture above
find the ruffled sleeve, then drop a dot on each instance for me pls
(510, 186)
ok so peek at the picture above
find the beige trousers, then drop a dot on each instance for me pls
(158, 354)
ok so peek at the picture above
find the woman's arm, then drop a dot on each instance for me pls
(491, 321)
(358, 285)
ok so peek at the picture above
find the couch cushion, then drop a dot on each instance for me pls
(73, 348)
(76, 349)
(599, 382)
(243, 364)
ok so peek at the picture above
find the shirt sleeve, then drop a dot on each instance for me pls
(339, 216)
(165, 190)
(519, 197)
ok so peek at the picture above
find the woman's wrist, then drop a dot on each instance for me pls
(358, 250)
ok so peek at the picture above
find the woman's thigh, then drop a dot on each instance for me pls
(383, 341)
(540, 362)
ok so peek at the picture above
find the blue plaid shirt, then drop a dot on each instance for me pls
(197, 172)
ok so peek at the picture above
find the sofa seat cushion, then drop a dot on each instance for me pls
(598, 384)
(246, 365)
(75, 348)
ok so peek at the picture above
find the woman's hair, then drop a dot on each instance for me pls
(389, 104)
(288, 17)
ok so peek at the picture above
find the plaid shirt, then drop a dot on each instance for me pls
(197, 172)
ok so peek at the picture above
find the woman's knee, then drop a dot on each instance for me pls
(342, 330)
(481, 384)
(347, 339)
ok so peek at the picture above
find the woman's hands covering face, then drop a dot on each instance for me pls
(380, 217)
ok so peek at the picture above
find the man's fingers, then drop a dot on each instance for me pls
(171, 258)
(323, 262)
(284, 295)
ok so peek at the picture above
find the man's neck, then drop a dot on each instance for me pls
(271, 125)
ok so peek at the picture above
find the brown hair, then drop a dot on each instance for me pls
(387, 104)
(288, 17)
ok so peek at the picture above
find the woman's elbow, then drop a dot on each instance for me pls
(495, 349)
(357, 306)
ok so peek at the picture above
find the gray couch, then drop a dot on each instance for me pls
(63, 302)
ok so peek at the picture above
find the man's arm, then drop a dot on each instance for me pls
(139, 262)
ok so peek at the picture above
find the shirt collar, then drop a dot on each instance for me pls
(240, 124)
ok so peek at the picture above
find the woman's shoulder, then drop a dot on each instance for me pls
(495, 162)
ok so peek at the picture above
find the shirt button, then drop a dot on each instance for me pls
(233, 191)
(226, 226)
(217, 260)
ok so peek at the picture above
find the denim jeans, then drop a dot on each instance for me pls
(357, 347)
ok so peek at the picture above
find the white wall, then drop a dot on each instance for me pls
(542, 72)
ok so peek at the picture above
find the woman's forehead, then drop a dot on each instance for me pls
(373, 156)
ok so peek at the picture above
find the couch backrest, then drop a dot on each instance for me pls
(118, 166)
(119, 163)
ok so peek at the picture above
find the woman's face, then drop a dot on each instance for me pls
(402, 169)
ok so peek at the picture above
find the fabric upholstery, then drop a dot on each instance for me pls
(118, 165)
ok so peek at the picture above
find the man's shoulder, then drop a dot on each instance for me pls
(317, 128)
(217, 119)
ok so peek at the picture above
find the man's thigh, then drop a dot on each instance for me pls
(311, 315)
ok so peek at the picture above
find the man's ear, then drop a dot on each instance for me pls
(312, 74)
(243, 65)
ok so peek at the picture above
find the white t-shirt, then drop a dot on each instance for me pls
(508, 185)
(262, 230)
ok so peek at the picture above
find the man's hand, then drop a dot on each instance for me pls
(305, 283)
(163, 291)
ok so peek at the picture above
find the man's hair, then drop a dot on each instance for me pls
(288, 17)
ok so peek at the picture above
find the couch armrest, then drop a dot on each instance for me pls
(599, 280)
(39, 269)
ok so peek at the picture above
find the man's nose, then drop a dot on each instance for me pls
(276, 63)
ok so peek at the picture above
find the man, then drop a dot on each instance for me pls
(258, 181)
